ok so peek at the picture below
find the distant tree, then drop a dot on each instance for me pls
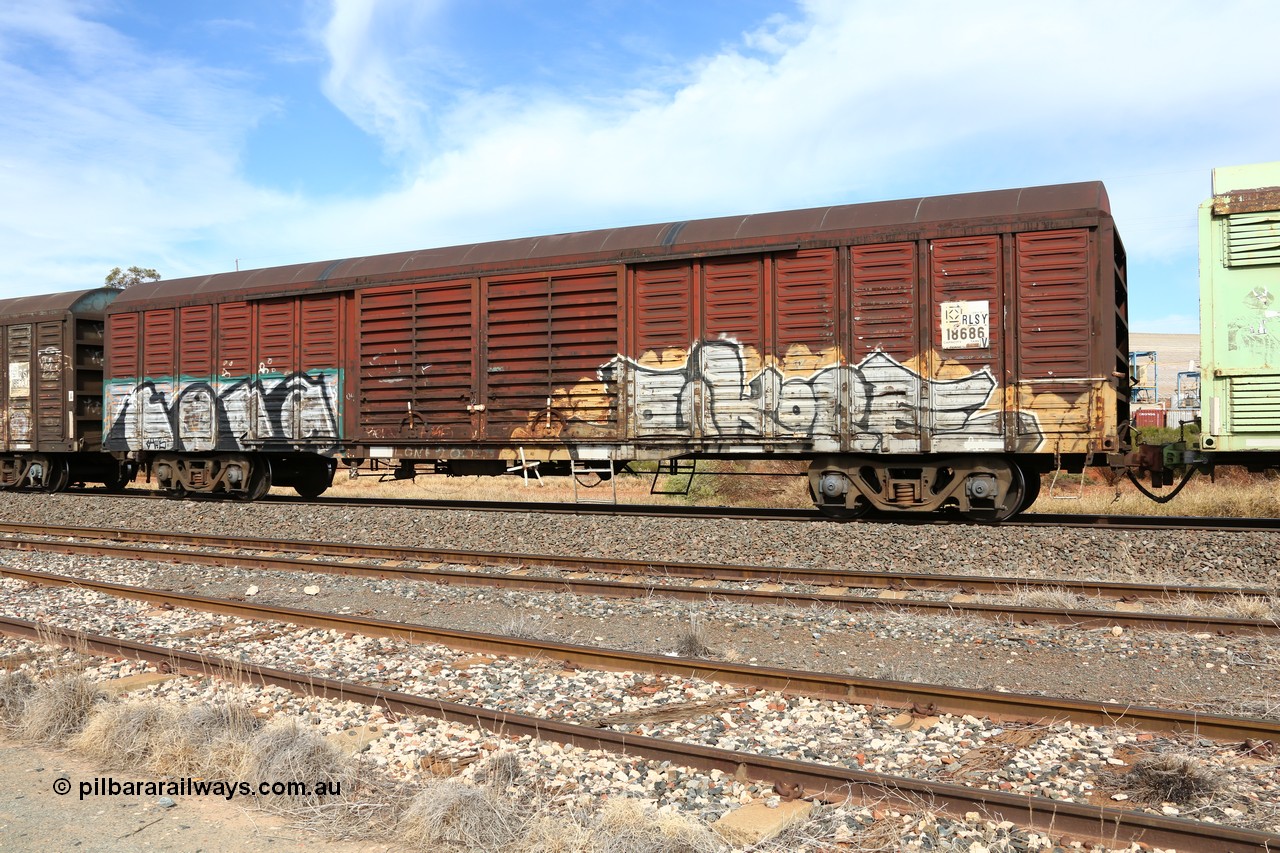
(120, 279)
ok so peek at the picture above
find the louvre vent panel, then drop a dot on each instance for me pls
(1255, 404)
(1253, 239)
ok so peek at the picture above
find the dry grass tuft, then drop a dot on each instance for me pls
(1054, 598)
(627, 826)
(524, 628)
(356, 805)
(456, 815)
(1170, 778)
(548, 833)
(158, 736)
(56, 710)
(127, 733)
(15, 691)
(1261, 607)
(285, 751)
(213, 736)
(692, 641)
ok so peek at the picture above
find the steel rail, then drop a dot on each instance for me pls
(649, 568)
(843, 688)
(618, 589)
(824, 782)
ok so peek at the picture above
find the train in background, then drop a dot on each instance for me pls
(921, 355)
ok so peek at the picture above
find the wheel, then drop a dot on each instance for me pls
(259, 482)
(57, 475)
(117, 480)
(1032, 480)
(1013, 502)
(314, 482)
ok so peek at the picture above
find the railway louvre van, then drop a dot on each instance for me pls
(1240, 318)
(921, 354)
(51, 392)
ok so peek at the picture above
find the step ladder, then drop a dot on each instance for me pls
(602, 468)
(674, 468)
(1058, 469)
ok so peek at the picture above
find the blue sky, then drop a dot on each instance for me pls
(193, 136)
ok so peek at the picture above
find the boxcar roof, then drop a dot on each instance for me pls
(636, 243)
(93, 301)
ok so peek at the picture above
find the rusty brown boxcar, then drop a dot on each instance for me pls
(921, 353)
(51, 392)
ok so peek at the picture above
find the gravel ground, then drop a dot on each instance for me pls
(565, 781)
(1224, 674)
(1061, 762)
(1234, 674)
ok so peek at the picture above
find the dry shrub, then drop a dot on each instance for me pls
(58, 709)
(553, 834)
(1169, 778)
(365, 806)
(155, 735)
(283, 750)
(126, 733)
(211, 738)
(627, 826)
(15, 690)
(456, 815)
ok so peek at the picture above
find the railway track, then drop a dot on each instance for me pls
(1071, 520)
(818, 781)
(231, 550)
(844, 688)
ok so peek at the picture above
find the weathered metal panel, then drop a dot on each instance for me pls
(546, 340)
(732, 348)
(196, 404)
(19, 416)
(52, 405)
(963, 400)
(584, 339)
(884, 301)
(156, 392)
(806, 367)
(1055, 374)
(288, 401)
(123, 374)
(417, 354)
(315, 392)
(275, 354)
(885, 382)
(657, 375)
(236, 367)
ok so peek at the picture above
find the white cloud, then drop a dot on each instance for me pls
(115, 154)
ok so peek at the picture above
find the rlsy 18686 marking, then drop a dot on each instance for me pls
(966, 325)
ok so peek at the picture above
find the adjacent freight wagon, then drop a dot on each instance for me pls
(1240, 316)
(51, 356)
(922, 353)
